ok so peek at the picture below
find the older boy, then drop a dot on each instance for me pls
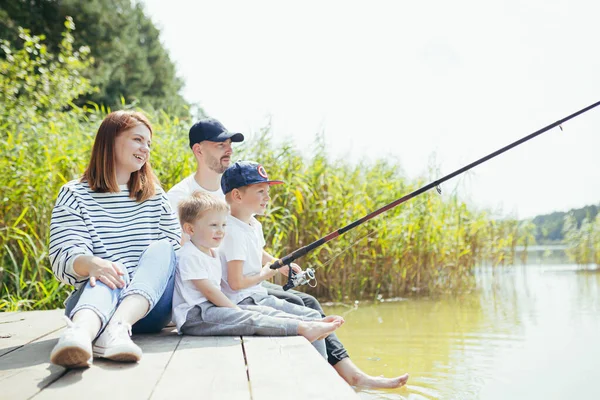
(246, 188)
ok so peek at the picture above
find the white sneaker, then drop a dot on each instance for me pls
(115, 343)
(74, 348)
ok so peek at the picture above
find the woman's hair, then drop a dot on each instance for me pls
(101, 174)
(192, 207)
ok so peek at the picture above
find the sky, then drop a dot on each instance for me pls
(412, 82)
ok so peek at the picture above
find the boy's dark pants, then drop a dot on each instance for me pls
(335, 349)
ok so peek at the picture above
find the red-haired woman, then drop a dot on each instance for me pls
(113, 236)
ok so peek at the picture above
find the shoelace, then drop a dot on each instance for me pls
(118, 328)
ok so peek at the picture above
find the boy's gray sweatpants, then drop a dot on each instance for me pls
(206, 319)
(304, 313)
(267, 300)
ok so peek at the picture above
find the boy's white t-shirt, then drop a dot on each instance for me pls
(193, 264)
(184, 189)
(243, 242)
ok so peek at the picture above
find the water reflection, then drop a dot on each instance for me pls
(527, 332)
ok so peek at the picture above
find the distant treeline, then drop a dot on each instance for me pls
(550, 227)
(129, 65)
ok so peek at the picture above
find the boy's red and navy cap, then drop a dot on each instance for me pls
(212, 130)
(244, 173)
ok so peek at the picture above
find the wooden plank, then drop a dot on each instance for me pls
(27, 370)
(172, 367)
(291, 368)
(106, 379)
(25, 327)
(10, 317)
(7, 317)
(7, 314)
(205, 368)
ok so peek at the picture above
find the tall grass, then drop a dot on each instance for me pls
(427, 245)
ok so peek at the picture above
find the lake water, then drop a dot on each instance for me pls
(527, 332)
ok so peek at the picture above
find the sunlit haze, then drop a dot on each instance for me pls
(406, 81)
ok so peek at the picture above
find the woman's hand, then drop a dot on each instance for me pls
(106, 272)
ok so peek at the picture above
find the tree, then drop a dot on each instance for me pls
(35, 82)
(550, 227)
(130, 61)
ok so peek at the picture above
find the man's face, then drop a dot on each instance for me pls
(216, 155)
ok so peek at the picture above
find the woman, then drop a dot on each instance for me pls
(113, 236)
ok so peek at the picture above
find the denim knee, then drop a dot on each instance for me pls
(155, 268)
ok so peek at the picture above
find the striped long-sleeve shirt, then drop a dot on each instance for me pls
(111, 226)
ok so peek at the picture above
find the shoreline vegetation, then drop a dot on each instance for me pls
(429, 245)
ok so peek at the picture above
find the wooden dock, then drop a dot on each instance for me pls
(173, 367)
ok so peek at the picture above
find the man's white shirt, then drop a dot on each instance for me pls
(185, 188)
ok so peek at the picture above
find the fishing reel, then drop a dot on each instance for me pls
(305, 277)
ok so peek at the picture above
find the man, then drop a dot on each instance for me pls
(211, 144)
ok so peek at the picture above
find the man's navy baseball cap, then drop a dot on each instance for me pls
(244, 173)
(212, 130)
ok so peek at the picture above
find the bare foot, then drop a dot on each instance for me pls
(380, 382)
(333, 318)
(315, 330)
(356, 377)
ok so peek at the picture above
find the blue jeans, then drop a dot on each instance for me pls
(154, 279)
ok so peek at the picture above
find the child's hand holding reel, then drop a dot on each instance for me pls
(297, 277)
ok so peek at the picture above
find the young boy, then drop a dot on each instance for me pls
(246, 188)
(199, 306)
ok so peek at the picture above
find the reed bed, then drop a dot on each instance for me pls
(427, 245)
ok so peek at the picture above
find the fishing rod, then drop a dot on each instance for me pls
(293, 279)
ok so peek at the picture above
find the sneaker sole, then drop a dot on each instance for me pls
(118, 354)
(71, 357)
